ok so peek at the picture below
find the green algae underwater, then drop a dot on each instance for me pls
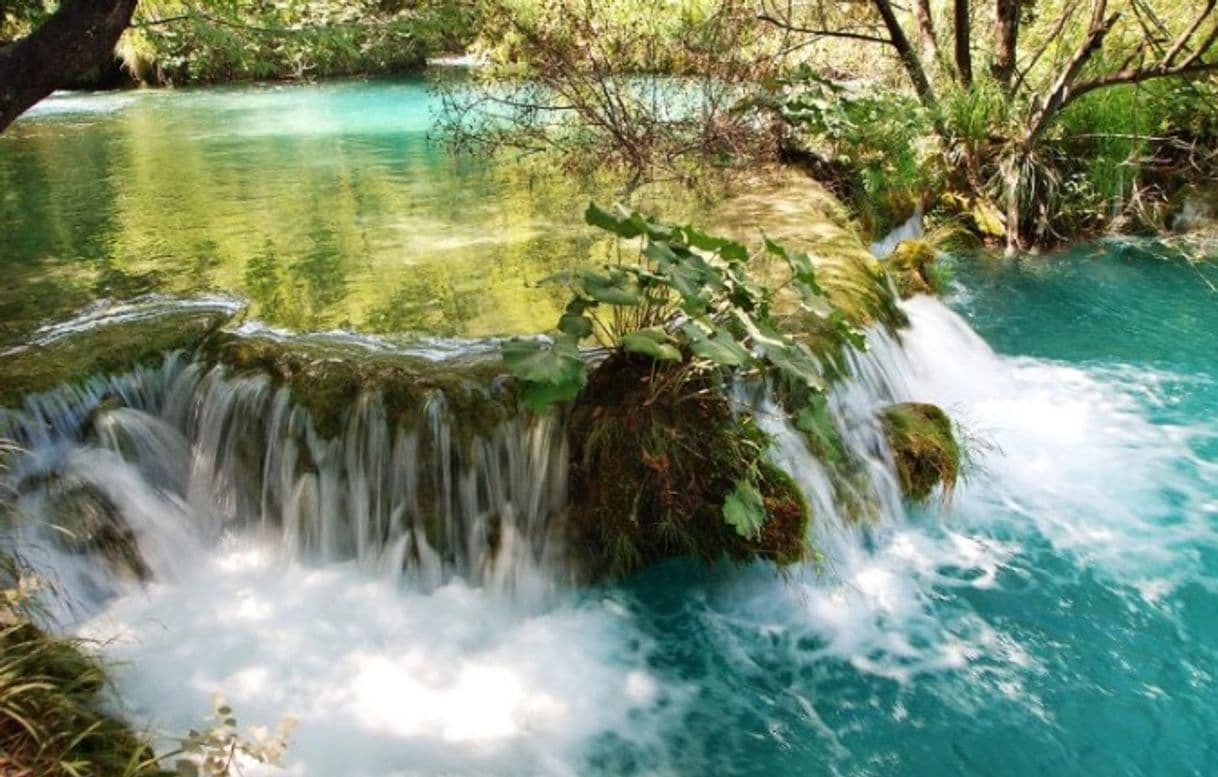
(1058, 614)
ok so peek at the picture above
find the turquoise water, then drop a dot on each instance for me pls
(1058, 616)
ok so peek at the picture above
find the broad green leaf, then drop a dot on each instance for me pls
(719, 348)
(538, 396)
(814, 420)
(616, 289)
(622, 224)
(730, 250)
(652, 342)
(797, 364)
(744, 509)
(550, 372)
(577, 326)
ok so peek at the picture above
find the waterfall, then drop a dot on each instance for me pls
(186, 453)
(169, 460)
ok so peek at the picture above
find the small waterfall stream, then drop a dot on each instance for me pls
(183, 454)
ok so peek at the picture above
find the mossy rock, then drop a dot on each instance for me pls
(651, 466)
(104, 349)
(912, 267)
(926, 451)
(327, 379)
(796, 211)
(87, 522)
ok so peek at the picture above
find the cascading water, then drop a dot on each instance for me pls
(185, 453)
(399, 591)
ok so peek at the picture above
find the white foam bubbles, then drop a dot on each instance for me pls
(382, 680)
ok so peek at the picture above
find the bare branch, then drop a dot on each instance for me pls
(823, 33)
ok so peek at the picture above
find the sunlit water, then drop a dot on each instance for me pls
(1058, 616)
(325, 205)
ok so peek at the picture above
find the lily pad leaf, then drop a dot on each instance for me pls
(652, 342)
(744, 509)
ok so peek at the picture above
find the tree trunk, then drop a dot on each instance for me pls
(928, 40)
(909, 57)
(1006, 38)
(79, 36)
(964, 54)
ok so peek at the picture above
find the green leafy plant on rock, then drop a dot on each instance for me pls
(663, 465)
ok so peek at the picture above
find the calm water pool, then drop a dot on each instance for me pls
(324, 205)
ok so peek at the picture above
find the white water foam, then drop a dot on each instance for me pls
(382, 680)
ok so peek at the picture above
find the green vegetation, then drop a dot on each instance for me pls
(50, 723)
(924, 445)
(663, 464)
(222, 40)
(1085, 117)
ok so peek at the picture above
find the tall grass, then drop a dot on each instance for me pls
(51, 724)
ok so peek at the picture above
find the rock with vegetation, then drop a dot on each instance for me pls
(661, 471)
(912, 265)
(927, 453)
(105, 347)
(86, 521)
(328, 378)
(665, 460)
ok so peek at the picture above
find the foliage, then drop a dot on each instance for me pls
(865, 140)
(648, 92)
(688, 316)
(219, 750)
(49, 722)
(225, 40)
(691, 299)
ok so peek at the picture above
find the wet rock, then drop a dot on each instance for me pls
(86, 521)
(911, 265)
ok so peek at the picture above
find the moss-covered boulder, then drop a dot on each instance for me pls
(327, 378)
(87, 522)
(925, 447)
(912, 267)
(653, 460)
(141, 337)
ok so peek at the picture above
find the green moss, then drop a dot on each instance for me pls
(49, 720)
(327, 380)
(914, 268)
(102, 350)
(926, 451)
(651, 468)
